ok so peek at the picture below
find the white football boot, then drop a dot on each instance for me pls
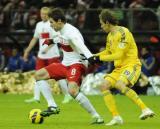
(67, 99)
(117, 120)
(146, 113)
(97, 120)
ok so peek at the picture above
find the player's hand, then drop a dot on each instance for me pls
(94, 60)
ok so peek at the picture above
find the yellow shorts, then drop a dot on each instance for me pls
(128, 74)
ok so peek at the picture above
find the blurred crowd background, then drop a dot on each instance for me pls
(19, 17)
(24, 14)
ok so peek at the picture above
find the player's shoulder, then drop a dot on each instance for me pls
(123, 29)
(120, 31)
(114, 33)
(70, 29)
(39, 23)
(42, 23)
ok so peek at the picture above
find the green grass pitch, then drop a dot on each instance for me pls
(14, 113)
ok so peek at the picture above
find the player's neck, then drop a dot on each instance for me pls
(62, 25)
(112, 28)
(45, 21)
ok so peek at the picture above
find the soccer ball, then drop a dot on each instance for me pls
(35, 116)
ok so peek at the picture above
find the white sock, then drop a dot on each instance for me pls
(63, 86)
(46, 92)
(36, 92)
(85, 103)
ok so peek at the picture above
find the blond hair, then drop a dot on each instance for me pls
(107, 15)
(46, 9)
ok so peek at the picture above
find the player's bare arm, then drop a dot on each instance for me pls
(29, 48)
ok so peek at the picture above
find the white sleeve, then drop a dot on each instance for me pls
(79, 44)
(36, 35)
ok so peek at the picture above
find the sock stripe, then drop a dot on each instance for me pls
(133, 73)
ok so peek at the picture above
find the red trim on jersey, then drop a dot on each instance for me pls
(44, 35)
(48, 41)
(66, 48)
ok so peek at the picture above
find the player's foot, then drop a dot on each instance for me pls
(67, 99)
(146, 113)
(117, 120)
(97, 120)
(51, 110)
(32, 100)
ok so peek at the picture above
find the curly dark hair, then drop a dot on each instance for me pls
(57, 14)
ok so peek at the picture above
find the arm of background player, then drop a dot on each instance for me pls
(29, 48)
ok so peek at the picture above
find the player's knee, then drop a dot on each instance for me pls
(37, 76)
(40, 74)
(105, 85)
(120, 86)
(73, 89)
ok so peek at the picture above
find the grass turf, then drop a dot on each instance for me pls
(14, 113)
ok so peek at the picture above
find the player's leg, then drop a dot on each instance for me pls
(40, 63)
(42, 75)
(128, 77)
(84, 102)
(64, 87)
(110, 101)
(74, 79)
(56, 71)
(36, 95)
(131, 94)
(46, 92)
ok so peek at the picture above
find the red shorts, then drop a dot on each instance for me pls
(72, 73)
(41, 63)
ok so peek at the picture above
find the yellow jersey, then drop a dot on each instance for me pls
(120, 42)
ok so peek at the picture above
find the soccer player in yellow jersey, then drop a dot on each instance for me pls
(120, 48)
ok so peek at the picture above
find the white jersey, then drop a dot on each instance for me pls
(72, 45)
(43, 31)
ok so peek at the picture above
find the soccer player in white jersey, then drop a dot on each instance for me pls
(72, 66)
(46, 56)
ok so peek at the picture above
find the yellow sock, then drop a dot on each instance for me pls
(134, 97)
(110, 102)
